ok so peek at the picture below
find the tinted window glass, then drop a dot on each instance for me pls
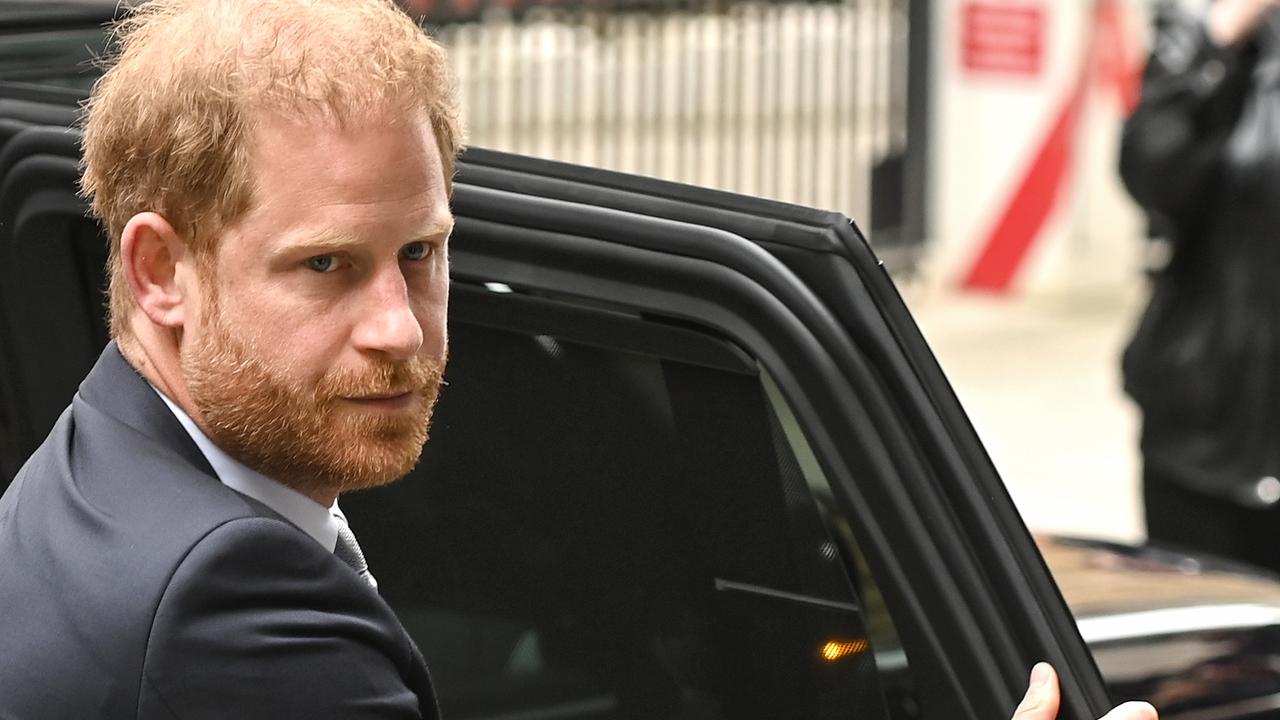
(891, 660)
(599, 533)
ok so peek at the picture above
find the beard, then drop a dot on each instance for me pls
(306, 435)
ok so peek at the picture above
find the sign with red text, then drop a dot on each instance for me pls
(1001, 38)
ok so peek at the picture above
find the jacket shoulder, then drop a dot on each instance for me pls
(260, 621)
(92, 529)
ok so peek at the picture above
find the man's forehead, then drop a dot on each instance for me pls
(306, 147)
(265, 118)
(296, 159)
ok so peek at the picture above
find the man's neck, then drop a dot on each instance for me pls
(163, 370)
(157, 360)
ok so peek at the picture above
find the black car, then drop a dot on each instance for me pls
(694, 460)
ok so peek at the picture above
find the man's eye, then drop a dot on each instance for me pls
(323, 263)
(416, 251)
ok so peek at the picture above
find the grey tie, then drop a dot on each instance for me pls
(348, 551)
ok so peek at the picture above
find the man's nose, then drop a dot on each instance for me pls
(387, 324)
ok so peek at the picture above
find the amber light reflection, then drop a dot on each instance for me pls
(839, 649)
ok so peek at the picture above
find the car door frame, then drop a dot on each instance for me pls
(802, 291)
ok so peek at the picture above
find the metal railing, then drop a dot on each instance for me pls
(799, 102)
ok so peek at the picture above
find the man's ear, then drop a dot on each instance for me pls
(151, 251)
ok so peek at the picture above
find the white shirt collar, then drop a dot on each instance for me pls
(310, 516)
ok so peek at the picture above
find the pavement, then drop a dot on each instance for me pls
(1039, 377)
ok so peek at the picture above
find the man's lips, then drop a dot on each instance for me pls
(383, 401)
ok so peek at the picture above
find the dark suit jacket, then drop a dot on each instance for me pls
(134, 584)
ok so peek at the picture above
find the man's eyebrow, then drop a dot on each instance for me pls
(328, 241)
(321, 242)
(435, 229)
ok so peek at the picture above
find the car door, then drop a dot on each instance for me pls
(705, 307)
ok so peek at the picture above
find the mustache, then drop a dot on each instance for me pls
(417, 375)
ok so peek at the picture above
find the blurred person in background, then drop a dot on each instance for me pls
(1201, 154)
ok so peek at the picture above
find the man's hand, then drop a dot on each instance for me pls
(1231, 22)
(1041, 700)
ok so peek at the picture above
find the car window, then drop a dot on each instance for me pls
(597, 532)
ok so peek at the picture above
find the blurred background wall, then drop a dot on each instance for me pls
(805, 102)
(973, 138)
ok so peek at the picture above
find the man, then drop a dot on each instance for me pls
(274, 176)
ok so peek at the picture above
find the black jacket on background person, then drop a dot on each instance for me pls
(1201, 154)
(134, 584)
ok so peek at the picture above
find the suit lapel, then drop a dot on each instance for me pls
(115, 388)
